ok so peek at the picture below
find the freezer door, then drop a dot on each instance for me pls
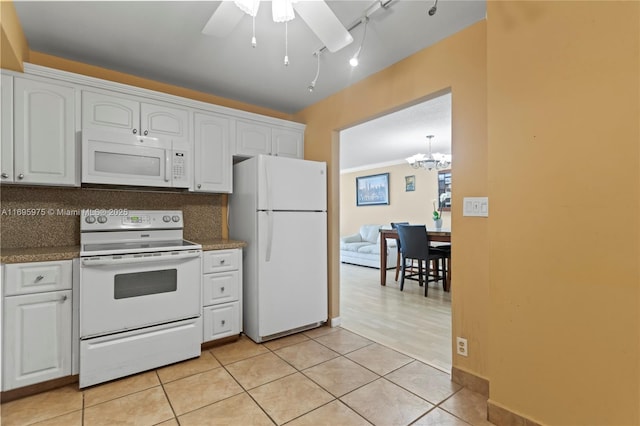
(292, 278)
(291, 184)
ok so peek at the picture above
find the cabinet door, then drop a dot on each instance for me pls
(213, 161)
(6, 129)
(221, 321)
(252, 139)
(163, 120)
(111, 113)
(36, 338)
(44, 133)
(288, 143)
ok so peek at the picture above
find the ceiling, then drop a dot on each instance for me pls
(163, 41)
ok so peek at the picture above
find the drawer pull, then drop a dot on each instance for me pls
(63, 299)
(222, 262)
(39, 278)
(222, 322)
(221, 289)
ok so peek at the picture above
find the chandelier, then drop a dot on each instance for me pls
(430, 161)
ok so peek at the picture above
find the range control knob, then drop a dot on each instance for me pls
(102, 219)
(90, 219)
(166, 218)
(176, 218)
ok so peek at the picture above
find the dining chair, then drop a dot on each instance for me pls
(394, 225)
(414, 245)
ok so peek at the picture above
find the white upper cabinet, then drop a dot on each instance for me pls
(254, 138)
(287, 142)
(128, 115)
(6, 130)
(213, 161)
(44, 133)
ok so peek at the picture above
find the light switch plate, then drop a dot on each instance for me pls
(475, 206)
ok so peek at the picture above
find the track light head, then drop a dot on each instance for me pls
(433, 9)
(353, 61)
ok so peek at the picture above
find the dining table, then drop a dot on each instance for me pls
(434, 234)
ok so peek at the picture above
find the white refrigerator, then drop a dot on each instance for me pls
(279, 207)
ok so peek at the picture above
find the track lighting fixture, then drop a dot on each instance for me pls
(433, 9)
(354, 59)
(315, 79)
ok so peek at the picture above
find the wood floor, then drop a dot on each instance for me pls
(406, 321)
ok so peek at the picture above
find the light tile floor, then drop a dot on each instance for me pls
(325, 376)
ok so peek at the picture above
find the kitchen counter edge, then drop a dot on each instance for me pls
(46, 254)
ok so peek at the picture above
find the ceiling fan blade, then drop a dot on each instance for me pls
(324, 23)
(224, 19)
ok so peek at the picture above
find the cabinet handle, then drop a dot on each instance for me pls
(20, 176)
(63, 299)
(5, 175)
(221, 289)
(135, 131)
(199, 186)
(38, 278)
(222, 262)
(222, 322)
(146, 132)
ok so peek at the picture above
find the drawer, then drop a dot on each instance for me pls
(37, 277)
(221, 321)
(221, 287)
(220, 260)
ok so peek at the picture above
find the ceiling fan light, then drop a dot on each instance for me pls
(282, 10)
(250, 7)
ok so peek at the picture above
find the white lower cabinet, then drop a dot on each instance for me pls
(37, 338)
(36, 326)
(221, 294)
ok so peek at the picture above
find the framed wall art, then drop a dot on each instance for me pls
(372, 190)
(410, 183)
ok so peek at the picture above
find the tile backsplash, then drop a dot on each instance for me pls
(50, 217)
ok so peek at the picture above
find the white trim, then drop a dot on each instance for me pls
(373, 166)
(335, 322)
(96, 83)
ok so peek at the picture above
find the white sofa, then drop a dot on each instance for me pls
(363, 248)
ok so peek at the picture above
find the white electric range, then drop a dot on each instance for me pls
(140, 293)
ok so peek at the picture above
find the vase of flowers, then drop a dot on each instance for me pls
(437, 216)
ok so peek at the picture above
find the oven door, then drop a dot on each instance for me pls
(120, 159)
(126, 292)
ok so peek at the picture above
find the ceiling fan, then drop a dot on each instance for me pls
(315, 13)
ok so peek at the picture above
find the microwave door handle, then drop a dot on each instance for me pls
(167, 164)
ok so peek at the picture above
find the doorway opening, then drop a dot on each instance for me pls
(405, 321)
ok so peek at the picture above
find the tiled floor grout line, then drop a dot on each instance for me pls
(166, 395)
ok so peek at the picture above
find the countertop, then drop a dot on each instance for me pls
(45, 254)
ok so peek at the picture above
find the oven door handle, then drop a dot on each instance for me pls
(147, 259)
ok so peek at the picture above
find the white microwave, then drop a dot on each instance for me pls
(120, 159)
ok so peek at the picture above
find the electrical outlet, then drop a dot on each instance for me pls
(461, 346)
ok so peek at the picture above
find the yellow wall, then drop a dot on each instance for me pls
(564, 184)
(404, 206)
(13, 45)
(457, 63)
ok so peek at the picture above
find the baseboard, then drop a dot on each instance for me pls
(471, 381)
(500, 416)
(29, 390)
(335, 322)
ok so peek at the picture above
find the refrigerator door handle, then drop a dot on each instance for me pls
(267, 257)
(267, 183)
